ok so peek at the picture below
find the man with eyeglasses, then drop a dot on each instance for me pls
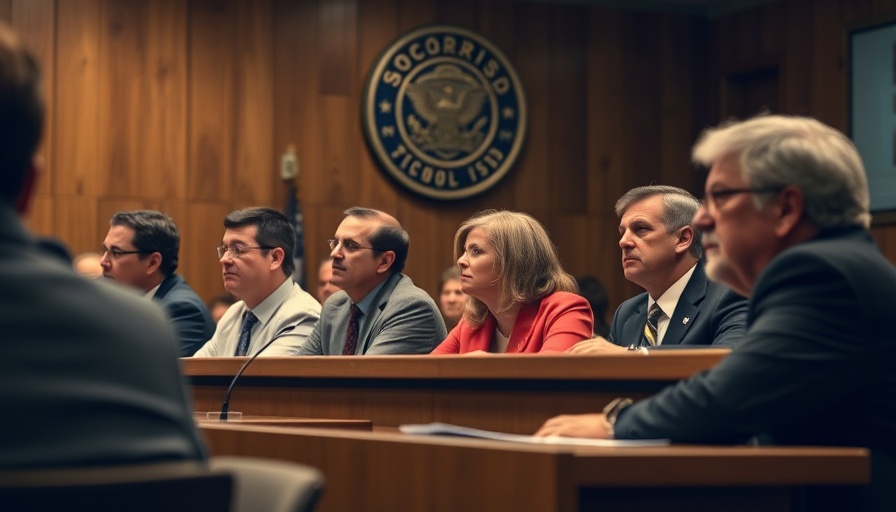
(661, 253)
(141, 251)
(378, 310)
(786, 222)
(274, 315)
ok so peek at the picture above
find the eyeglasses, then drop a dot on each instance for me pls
(118, 253)
(237, 250)
(347, 245)
(725, 193)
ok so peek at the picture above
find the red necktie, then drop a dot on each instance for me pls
(351, 335)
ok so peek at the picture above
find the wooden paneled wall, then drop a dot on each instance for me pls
(186, 106)
(805, 42)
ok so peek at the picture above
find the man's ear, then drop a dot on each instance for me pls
(277, 255)
(789, 208)
(385, 261)
(155, 261)
(29, 183)
(685, 239)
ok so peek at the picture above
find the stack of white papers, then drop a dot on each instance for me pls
(455, 430)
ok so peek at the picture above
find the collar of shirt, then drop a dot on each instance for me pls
(668, 300)
(272, 303)
(152, 293)
(367, 302)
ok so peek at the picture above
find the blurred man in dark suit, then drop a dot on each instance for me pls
(89, 374)
(785, 222)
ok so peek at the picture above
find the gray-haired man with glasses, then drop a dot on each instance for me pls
(274, 313)
(378, 310)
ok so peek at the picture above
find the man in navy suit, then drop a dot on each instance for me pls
(140, 251)
(786, 222)
(661, 253)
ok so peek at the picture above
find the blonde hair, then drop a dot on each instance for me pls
(526, 260)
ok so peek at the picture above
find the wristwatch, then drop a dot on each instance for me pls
(638, 348)
(611, 412)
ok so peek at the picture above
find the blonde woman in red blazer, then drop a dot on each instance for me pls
(520, 298)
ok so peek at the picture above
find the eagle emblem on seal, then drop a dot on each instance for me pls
(444, 112)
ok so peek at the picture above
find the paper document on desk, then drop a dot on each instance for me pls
(455, 430)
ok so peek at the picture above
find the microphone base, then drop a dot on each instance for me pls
(232, 416)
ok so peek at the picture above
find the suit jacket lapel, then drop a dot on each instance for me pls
(166, 285)
(376, 310)
(687, 309)
(634, 326)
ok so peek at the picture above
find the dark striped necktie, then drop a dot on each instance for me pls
(351, 335)
(249, 321)
(650, 328)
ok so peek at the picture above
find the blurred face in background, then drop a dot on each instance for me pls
(88, 265)
(218, 310)
(324, 287)
(452, 300)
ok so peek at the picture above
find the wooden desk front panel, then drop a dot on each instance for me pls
(507, 393)
(391, 471)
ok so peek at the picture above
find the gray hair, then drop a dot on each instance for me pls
(679, 207)
(776, 151)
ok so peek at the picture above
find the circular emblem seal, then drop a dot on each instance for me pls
(444, 112)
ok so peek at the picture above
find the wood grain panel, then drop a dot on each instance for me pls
(829, 59)
(676, 111)
(190, 104)
(414, 13)
(462, 13)
(533, 68)
(567, 99)
(338, 122)
(163, 140)
(376, 29)
(123, 88)
(255, 172)
(201, 230)
(39, 219)
(77, 218)
(211, 80)
(642, 70)
(605, 111)
(798, 59)
(337, 48)
(78, 100)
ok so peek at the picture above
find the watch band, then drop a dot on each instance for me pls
(611, 412)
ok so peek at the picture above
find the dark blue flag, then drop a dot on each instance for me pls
(289, 171)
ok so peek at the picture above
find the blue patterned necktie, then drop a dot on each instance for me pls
(650, 328)
(248, 322)
(351, 335)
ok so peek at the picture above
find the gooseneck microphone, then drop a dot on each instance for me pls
(225, 406)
